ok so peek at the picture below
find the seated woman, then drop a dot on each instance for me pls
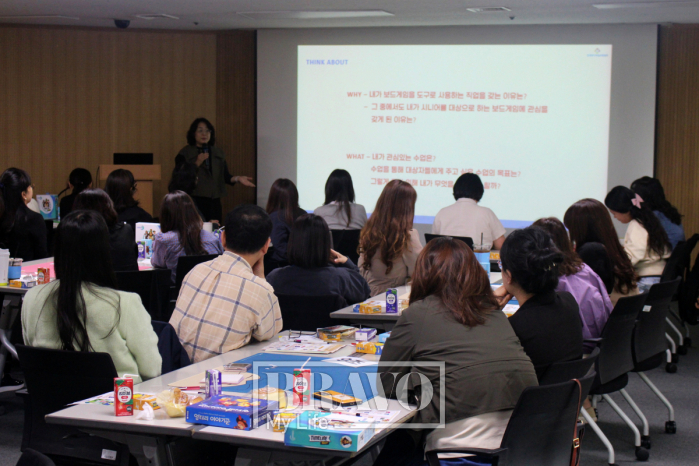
(121, 187)
(548, 322)
(181, 233)
(122, 241)
(454, 318)
(82, 310)
(339, 210)
(595, 240)
(577, 278)
(653, 194)
(311, 271)
(22, 230)
(79, 180)
(283, 209)
(389, 245)
(466, 217)
(645, 241)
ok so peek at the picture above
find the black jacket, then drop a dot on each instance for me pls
(67, 205)
(122, 244)
(280, 234)
(27, 237)
(134, 215)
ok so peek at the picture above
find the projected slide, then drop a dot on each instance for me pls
(531, 120)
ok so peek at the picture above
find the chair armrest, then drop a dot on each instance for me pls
(433, 458)
(596, 341)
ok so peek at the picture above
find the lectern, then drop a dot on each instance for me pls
(144, 176)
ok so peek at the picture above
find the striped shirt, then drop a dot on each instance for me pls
(221, 305)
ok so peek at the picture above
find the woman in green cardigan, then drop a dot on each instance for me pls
(213, 170)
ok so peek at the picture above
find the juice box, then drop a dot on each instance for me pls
(123, 396)
(43, 276)
(213, 383)
(302, 387)
(392, 301)
(365, 334)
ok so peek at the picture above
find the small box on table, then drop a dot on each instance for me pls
(329, 430)
(234, 412)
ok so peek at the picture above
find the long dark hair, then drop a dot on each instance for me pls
(283, 196)
(178, 214)
(388, 230)
(448, 269)
(572, 263)
(652, 192)
(339, 188)
(99, 201)
(309, 242)
(532, 259)
(121, 187)
(191, 139)
(80, 178)
(82, 257)
(13, 182)
(620, 200)
(588, 221)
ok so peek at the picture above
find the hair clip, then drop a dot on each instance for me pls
(636, 201)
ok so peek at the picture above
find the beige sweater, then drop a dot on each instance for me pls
(636, 246)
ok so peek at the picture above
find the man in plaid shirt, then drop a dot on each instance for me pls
(225, 302)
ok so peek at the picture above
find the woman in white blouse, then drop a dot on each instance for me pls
(339, 210)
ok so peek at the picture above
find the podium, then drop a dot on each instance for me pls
(144, 176)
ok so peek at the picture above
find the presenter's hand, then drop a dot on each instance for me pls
(244, 180)
(502, 296)
(201, 157)
(337, 258)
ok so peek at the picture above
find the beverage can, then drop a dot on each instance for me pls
(302, 387)
(213, 383)
(392, 301)
(123, 396)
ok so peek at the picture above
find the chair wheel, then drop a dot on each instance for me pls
(682, 350)
(687, 342)
(675, 358)
(671, 368)
(645, 441)
(642, 454)
(670, 427)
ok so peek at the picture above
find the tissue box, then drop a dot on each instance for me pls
(329, 430)
(365, 334)
(384, 336)
(48, 206)
(234, 412)
(24, 282)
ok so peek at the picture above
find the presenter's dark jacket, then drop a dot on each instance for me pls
(27, 237)
(549, 327)
(280, 234)
(595, 256)
(341, 280)
(212, 180)
(486, 369)
(122, 245)
(133, 215)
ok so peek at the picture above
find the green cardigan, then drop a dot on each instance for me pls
(211, 184)
(133, 344)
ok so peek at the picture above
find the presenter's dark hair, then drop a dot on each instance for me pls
(191, 139)
(178, 214)
(80, 179)
(184, 178)
(572, 263)
(247, 229)
(620, 200)
(532, 259)
(13, 182)
(447, 269)
(284, 197)
(82, 257)
(469, 185)
(121, 187)
(99, 201)
(309, 242)
(339, 188)
(653, 194)
(588, 221)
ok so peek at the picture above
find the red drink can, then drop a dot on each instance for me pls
(302, 387)
(123, 396)
(43, 276)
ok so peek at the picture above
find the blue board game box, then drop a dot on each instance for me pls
(48, 206)
(234, 412)
(329, 430)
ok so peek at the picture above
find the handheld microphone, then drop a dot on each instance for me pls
(207, 162)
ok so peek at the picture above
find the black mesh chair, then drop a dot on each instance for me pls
(559, 372)
(346, 243)
(540, 431)
(469, 241)
(650, 345)
(34, 458)
(186, 263)
(54, 379)
(139, 282)
(613, 366)
(309, 313)
(50, 236)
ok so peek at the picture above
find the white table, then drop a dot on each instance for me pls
(386, 321)
(147, 440)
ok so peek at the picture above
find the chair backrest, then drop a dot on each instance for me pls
(469, 241)
(34, 458)
(615, 357)
(309, 312)
(50, 236)
(688, 294)
(186, 263)
(649, 334)
(559, 372)
(139, 282)
(346, 243)
(541, 428)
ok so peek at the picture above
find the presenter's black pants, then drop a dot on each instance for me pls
(209, 208)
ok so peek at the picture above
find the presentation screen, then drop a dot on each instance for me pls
(532, 121)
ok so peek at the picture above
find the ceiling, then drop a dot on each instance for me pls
(224, 14)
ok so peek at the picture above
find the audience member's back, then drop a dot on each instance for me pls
(226, 302)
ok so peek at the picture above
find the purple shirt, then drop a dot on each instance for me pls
(594, 303)
(167, 249)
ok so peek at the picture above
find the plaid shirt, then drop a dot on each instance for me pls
(221, 305)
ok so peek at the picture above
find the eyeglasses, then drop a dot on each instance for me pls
(203, 131)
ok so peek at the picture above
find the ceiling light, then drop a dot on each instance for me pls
(150, 16)
(314, 14)
(488, 9)
(39, 17)
(615, 6)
